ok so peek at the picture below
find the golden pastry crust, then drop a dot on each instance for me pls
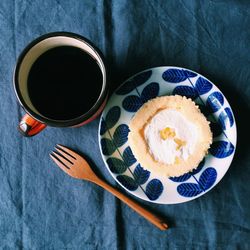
(140, 147)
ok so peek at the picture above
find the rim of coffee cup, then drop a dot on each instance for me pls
(77, 41)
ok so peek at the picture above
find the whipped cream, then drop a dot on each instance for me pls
(168, 150)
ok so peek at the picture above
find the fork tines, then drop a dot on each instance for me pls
(63, 157)
(67, 151)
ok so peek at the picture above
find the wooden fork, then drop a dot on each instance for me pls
(77, 167)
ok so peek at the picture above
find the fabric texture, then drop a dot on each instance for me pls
(43, 208)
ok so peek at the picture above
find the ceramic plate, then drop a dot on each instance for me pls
(129, 97)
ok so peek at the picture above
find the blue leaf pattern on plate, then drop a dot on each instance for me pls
(206, 181)
(207, 178)
(177, 75)
(108, 147)
(128, 157)
(230, 116)
(112, 117)
(226, 118)
(189, 189)
(181, 178)
(221, 149)
(150, 91)
(136, 81)
(132, 103)
(185, 91)
(103, 128)
(116, 166)
(127, 182)
(215, 101)
(186, 176)
(121, 135)
(141, 175)
(203, 86)
(154, 189)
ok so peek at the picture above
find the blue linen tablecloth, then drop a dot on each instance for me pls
(43, 208)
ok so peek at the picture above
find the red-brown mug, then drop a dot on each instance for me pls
(34, 121)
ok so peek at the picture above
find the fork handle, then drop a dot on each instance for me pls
(158, 222)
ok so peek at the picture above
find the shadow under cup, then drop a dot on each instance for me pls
(60, 81)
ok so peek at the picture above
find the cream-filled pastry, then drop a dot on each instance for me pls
(169, 135)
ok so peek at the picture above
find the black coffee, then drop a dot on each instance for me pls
(64, 83)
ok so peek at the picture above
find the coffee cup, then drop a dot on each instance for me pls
(60, 80)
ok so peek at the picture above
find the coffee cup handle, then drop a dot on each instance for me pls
(28, 126)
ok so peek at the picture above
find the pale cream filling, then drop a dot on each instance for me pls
(168, 150)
